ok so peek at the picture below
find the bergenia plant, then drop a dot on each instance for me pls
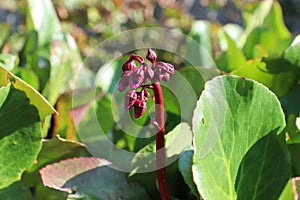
(140, 79)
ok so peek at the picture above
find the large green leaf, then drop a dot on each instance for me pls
(15, 191)
(232, 114)
(35, 98)
(255, 179)
(94, 178)
(276, 73)
(20, 135)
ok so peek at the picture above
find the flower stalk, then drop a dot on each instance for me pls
(160, 143)
(148, 77)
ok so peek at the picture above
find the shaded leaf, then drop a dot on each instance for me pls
(90, 177)
(185, 168)
(294, 150)
(232, 114)
(271, 150)
(15, 191)
(20, 135)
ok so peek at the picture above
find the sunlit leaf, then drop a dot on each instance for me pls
(43, 19)
(232, 58)
(265, 26)
(287, 192)
(275, 73)
(232, 114)
(199, 53)
(8, 61)
(35, 98)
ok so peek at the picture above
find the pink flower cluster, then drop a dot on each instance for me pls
(139, 76)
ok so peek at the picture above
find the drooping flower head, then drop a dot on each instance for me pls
(142, 76)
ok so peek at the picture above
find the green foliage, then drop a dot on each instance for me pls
(225, 129)
(244, 142)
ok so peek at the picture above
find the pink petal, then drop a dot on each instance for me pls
(130, 99)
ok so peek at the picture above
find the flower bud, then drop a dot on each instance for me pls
(139, 59)
(128, 65)
(140, 107)
(151, 56)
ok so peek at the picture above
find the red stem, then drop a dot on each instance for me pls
(160, 143)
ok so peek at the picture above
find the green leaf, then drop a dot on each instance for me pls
(109, 75)
(93, 136)
(287, 193)
(20, 135)
(232, 58)
(291, 54)
(42, 18)
(35, 98)
(58, 149)
(294, 149)
(176, 141)
(255, 179)
(15, 191)
(104, 111)
(291, 107)
(92, 177)
(8, 61)
(275, 73)
(28, 76)
(52, 151)
(232, 114)
(29, 48)
(265, 26)
(199, 52)
(67, 71)
(185, 168)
